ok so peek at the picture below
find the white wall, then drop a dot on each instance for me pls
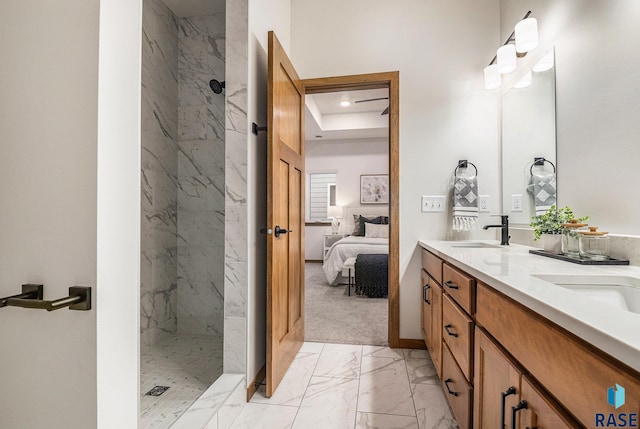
(349, 159)
(48, 118)
(264, 15)
(118, 227)
(598, 103)
(440, 49)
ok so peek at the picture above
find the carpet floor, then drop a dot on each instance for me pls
(332, 316)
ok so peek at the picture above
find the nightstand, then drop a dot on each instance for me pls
(327, 242)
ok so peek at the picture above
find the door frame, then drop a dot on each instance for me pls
(390, 80)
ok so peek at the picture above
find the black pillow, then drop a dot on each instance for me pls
(377, 220)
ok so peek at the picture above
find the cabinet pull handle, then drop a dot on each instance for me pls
(522, 405)
(447, 327)
(451, 285)
(451, 392)
(424, 294)
(510, 391)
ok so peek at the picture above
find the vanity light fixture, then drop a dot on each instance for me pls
(545, 63)
(526, 33)
(492, 77)
(524, 81)
(345, 103)
(506, 56)
(525, 37)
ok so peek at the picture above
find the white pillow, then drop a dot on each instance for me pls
(373, 230)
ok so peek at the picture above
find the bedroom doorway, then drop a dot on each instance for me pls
(356, 116)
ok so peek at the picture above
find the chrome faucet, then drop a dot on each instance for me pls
(505, 229)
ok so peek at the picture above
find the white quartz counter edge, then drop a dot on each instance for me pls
(511, 270)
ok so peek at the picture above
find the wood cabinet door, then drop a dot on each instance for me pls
(457, 390)
(541, 411)
(496, 385)
(559, 361)
(426, 313)
(457, 333)
(433, 265)
(436, 326)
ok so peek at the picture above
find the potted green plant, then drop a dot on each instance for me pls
(549, 226)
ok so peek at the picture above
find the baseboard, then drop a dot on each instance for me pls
(409, 343)
(314, 261)
(255, 383)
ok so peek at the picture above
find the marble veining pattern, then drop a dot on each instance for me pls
(236, 186)
(200, 178)
(396, 396)
(183, 201)
(187, 364)
(379, 396)
(159, 115)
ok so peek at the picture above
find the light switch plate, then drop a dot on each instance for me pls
(483, 204)
(432, 203)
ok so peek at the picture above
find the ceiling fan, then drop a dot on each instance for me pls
(384, 112)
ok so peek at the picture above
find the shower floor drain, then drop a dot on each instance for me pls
(157, 391)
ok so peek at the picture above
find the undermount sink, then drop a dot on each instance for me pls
(475, 245)
(622, 292)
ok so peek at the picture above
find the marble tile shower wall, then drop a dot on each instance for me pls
(201, 175)
(159, 172)
(236, 188)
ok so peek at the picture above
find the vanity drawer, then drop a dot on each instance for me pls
(459, 286)
(562, 363)
(457, 331)
(433, 265)
(457, 390)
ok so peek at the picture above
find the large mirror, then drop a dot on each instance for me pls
(529, 132)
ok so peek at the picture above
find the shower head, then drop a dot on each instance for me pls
(216, 86)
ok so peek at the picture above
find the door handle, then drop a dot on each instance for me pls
(424, 294)
(447, 327)
(277, 231)
(451, 392)
(451, 284)
(79, 299)
(510, 391)
(522, 405)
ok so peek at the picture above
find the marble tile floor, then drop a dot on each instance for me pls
(345, 386)
(188, 365)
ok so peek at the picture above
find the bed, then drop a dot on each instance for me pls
(352, 245)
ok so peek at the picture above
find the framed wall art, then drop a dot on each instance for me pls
(374, 189)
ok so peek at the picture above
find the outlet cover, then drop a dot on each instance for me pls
(483, 204)
(516, 202)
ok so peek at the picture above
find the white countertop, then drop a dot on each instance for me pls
(511, 270)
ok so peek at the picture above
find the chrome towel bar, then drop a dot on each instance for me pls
(31, 297)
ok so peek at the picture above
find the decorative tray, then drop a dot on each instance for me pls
(579, 260)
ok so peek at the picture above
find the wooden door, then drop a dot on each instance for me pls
(496, 380)
(285, 212)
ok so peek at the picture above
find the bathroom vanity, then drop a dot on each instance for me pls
(523, 341)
